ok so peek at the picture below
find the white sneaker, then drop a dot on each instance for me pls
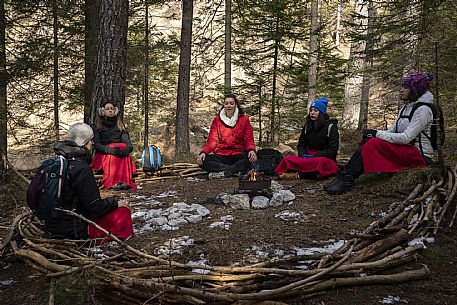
(216, 175)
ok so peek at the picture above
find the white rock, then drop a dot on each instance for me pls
(224, 198)
(175, 215)
(275, 186)
(239, 201)
(177, 222)
(201, 210)
(276, 200)
(227, 218)
(159, 221)
(167, 227)
(260, 202)
(288, 195)
(194, 218)
(182, 206)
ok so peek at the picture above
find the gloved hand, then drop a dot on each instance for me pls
(124, 152)
(368, 134)
(115, 151)
(307, 156)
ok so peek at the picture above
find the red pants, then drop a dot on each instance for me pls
(115, 169)
(382, 156)
(117, 222)
(323, 166)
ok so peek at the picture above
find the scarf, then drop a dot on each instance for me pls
(229, 121)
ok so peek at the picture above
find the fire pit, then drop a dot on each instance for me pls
(254, 181)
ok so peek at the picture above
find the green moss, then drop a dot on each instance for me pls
(431, 255)
(75, 289)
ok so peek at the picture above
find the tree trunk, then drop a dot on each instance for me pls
(146, 75)
(91, 25)
(228, 45)
(353, 85)
(182, 111)
(55, 27)
(338, 24)
(112, 55)
(313, 50)
(3, 82)
(368, 61)
(273, 123)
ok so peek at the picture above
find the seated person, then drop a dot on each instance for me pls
(406, 144)
(230, 144)
(112, 149)
(81, 194)
(317, 146)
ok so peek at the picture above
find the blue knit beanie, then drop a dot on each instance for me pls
(320, 104)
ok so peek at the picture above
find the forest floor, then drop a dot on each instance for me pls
(240, 237)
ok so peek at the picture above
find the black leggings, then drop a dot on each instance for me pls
(230, 165)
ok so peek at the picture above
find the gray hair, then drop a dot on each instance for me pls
(80, 133)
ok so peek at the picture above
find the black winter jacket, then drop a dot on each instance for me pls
(108, 134)
(327, 144)
(80, 194)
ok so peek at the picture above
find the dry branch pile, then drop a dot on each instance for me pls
(176, 170)
(372, 256)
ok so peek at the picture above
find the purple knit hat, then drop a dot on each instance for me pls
(418, 83)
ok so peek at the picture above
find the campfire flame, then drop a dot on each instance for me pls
(252, 175)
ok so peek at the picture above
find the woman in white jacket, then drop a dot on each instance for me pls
(406, 144)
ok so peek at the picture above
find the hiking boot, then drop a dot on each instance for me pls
(216, 175)
(121, 187)
(341, 184)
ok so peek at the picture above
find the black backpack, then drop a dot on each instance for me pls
(45, 190)
(438, 120)
(267, 160)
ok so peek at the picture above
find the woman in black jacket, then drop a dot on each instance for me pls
(318, 145)
(113, 148)
(81, 195)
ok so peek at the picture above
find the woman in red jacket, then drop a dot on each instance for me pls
(230, 144)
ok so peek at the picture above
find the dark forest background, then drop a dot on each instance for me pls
(168, 64)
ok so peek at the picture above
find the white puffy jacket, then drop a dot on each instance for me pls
(404, 131)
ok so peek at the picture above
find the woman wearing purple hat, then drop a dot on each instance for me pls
(317, 146)
(406, 144)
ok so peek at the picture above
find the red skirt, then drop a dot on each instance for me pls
(117, 222)
(115, 169)
(323, 166)
(382, 156)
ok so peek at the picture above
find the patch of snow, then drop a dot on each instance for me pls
(392, 300)
(421, 241)
(414, 218)
(7, 282)
(288, 215)
(175, 245)
(324, 250)
(223, 223)
(169, 193)
(200, 263)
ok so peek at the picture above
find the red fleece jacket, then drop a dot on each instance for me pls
(228, 141)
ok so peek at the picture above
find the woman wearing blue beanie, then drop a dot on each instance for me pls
(317, 146)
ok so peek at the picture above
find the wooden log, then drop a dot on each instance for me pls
(12, 229)
(401, 277)
(384, 220)
(381, 246)
(449, 200)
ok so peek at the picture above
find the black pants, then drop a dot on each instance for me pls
(354, 167)
(230, 165)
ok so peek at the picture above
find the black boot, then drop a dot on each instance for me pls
(341, 184)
